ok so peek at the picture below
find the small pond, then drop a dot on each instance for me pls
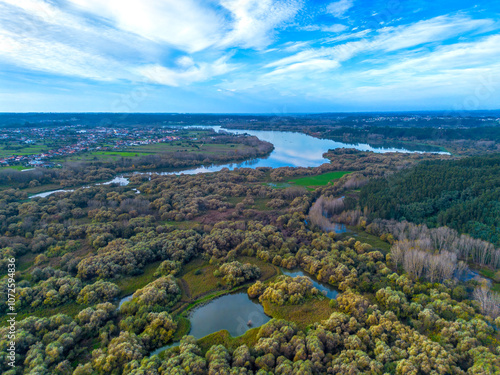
(231, 312)
(236, 313)
(327, 289)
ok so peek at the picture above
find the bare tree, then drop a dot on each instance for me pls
(489, 301)
(414, 262)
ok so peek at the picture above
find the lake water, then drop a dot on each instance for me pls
(327, 289)
(290, 150)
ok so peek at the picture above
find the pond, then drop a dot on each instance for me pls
(236, 313)
(327, 289)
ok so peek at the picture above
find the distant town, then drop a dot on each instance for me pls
(39, 147)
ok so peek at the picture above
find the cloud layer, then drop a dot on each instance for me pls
(252, 55)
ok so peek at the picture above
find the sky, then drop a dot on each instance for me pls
(249, 56)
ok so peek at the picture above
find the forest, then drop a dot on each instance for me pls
(404, 305)
(461, 194)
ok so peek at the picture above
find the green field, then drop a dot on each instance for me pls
(153, 149)
(199, 277)
(490, 274)
(130, 284)
(23, 149)
(223, 337)
(125, 154)
(312, 311)
(364, 237)
(318, 180)
(15, 167)
(309, 181)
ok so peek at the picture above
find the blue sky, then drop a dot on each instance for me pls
(260, 56)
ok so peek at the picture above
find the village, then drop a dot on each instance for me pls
(45, 147)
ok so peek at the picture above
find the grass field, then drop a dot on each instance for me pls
(129, 285)
(486, 272)
(23, 150)
(231, 343)
(125, 154)
(153, 149)
(364, 237)
(183, 327)
(15, 167)
(312, 311)
(181, 224)
(309, 181)
(70, 309)
(318, 180)
(260, 204)
(200, 280)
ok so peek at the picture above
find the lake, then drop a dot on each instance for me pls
(290, 150)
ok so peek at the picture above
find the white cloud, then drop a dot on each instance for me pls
(187, 25)
(187, 72)
(191, 25)
(406, 71)
(295, 46)
(343, 37)
(314, 65)
(57, 58)
(391, 39)
(133, 41)
(443, 60)
(339, 8)
(339, 53)
(37, 36)
(433, 30)
(253, 21)
(336, 28)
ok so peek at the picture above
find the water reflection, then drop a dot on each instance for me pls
(291, 150)
(119, 180)
(235, 313)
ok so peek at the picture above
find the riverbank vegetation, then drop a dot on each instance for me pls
(89, 247)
